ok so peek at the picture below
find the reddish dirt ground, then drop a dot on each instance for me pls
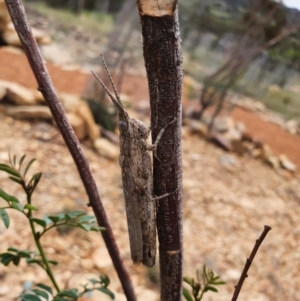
(14, 67)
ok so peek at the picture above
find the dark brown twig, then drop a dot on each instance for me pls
(18, 16)
(163, 61)
(249, 262)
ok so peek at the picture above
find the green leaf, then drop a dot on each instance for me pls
(13, 250)
(93, 281)
(30, 297)
(53, 218)
(17, 180)
(189, 281)
(24, 254)
(47, 220)
(5, 217)
(204, 274)
(31, 207)
(6, 258)
(86, 218)
(32, 260)
(10, 160)
(41, 293)
(10, 170)
(34, 181)
(210, 288)
(16, 260)
(7, 197)
(15, 160)
(61, 216)
(40, 222)
(21, 161)
(187, 295)
(104, 279)
(60, 299)
(45, 287)
(68, 293)
(106, 291)
(85, 227)
(74, 214)
(28, 166)
(17, 206)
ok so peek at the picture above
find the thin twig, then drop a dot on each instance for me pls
(18, 16)
(249, 262)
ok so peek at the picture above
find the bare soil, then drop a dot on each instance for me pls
(15, 67)
(224, 209)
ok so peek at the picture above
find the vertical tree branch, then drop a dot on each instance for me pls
(249, 262)
(18, 16)
(163, 60)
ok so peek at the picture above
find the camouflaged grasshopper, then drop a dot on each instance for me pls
(137, 178)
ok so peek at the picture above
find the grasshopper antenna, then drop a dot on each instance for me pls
(116, 100)
(111, 80)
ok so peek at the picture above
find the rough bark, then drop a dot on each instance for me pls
(163, 61)
(17, 13)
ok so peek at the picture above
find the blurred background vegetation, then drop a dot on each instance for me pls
(249, 47)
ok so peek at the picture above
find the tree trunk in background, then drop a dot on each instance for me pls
(102, 5)
(163, 61)
(92, 89)
(77, 6)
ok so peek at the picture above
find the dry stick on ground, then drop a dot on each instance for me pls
(163, 61)
(249, 262)
(17, 13)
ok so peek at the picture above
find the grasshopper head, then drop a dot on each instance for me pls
(133, 128)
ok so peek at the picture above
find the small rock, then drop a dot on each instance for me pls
(221, 141)
(4, 290)
(266, 151)
(84, 112)
(258, 106)
(256, 153)
(2, 92)
(233, 134)
(106, 149)
(11, 37)
(148, 295)
(87, 263)
(18, 94)
(29, 112)
(240, 126)
(228, 161)
(223, 125)
(78, 125)
(273, 161)
(39, 98)
(41, 37)
(196, 157)
(292, 126)
(102, 259)
(232, 275)
(198, 128)
(56, 54)
(287, 164)
(69, 101)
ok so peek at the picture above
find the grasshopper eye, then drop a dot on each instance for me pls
(123, 126)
